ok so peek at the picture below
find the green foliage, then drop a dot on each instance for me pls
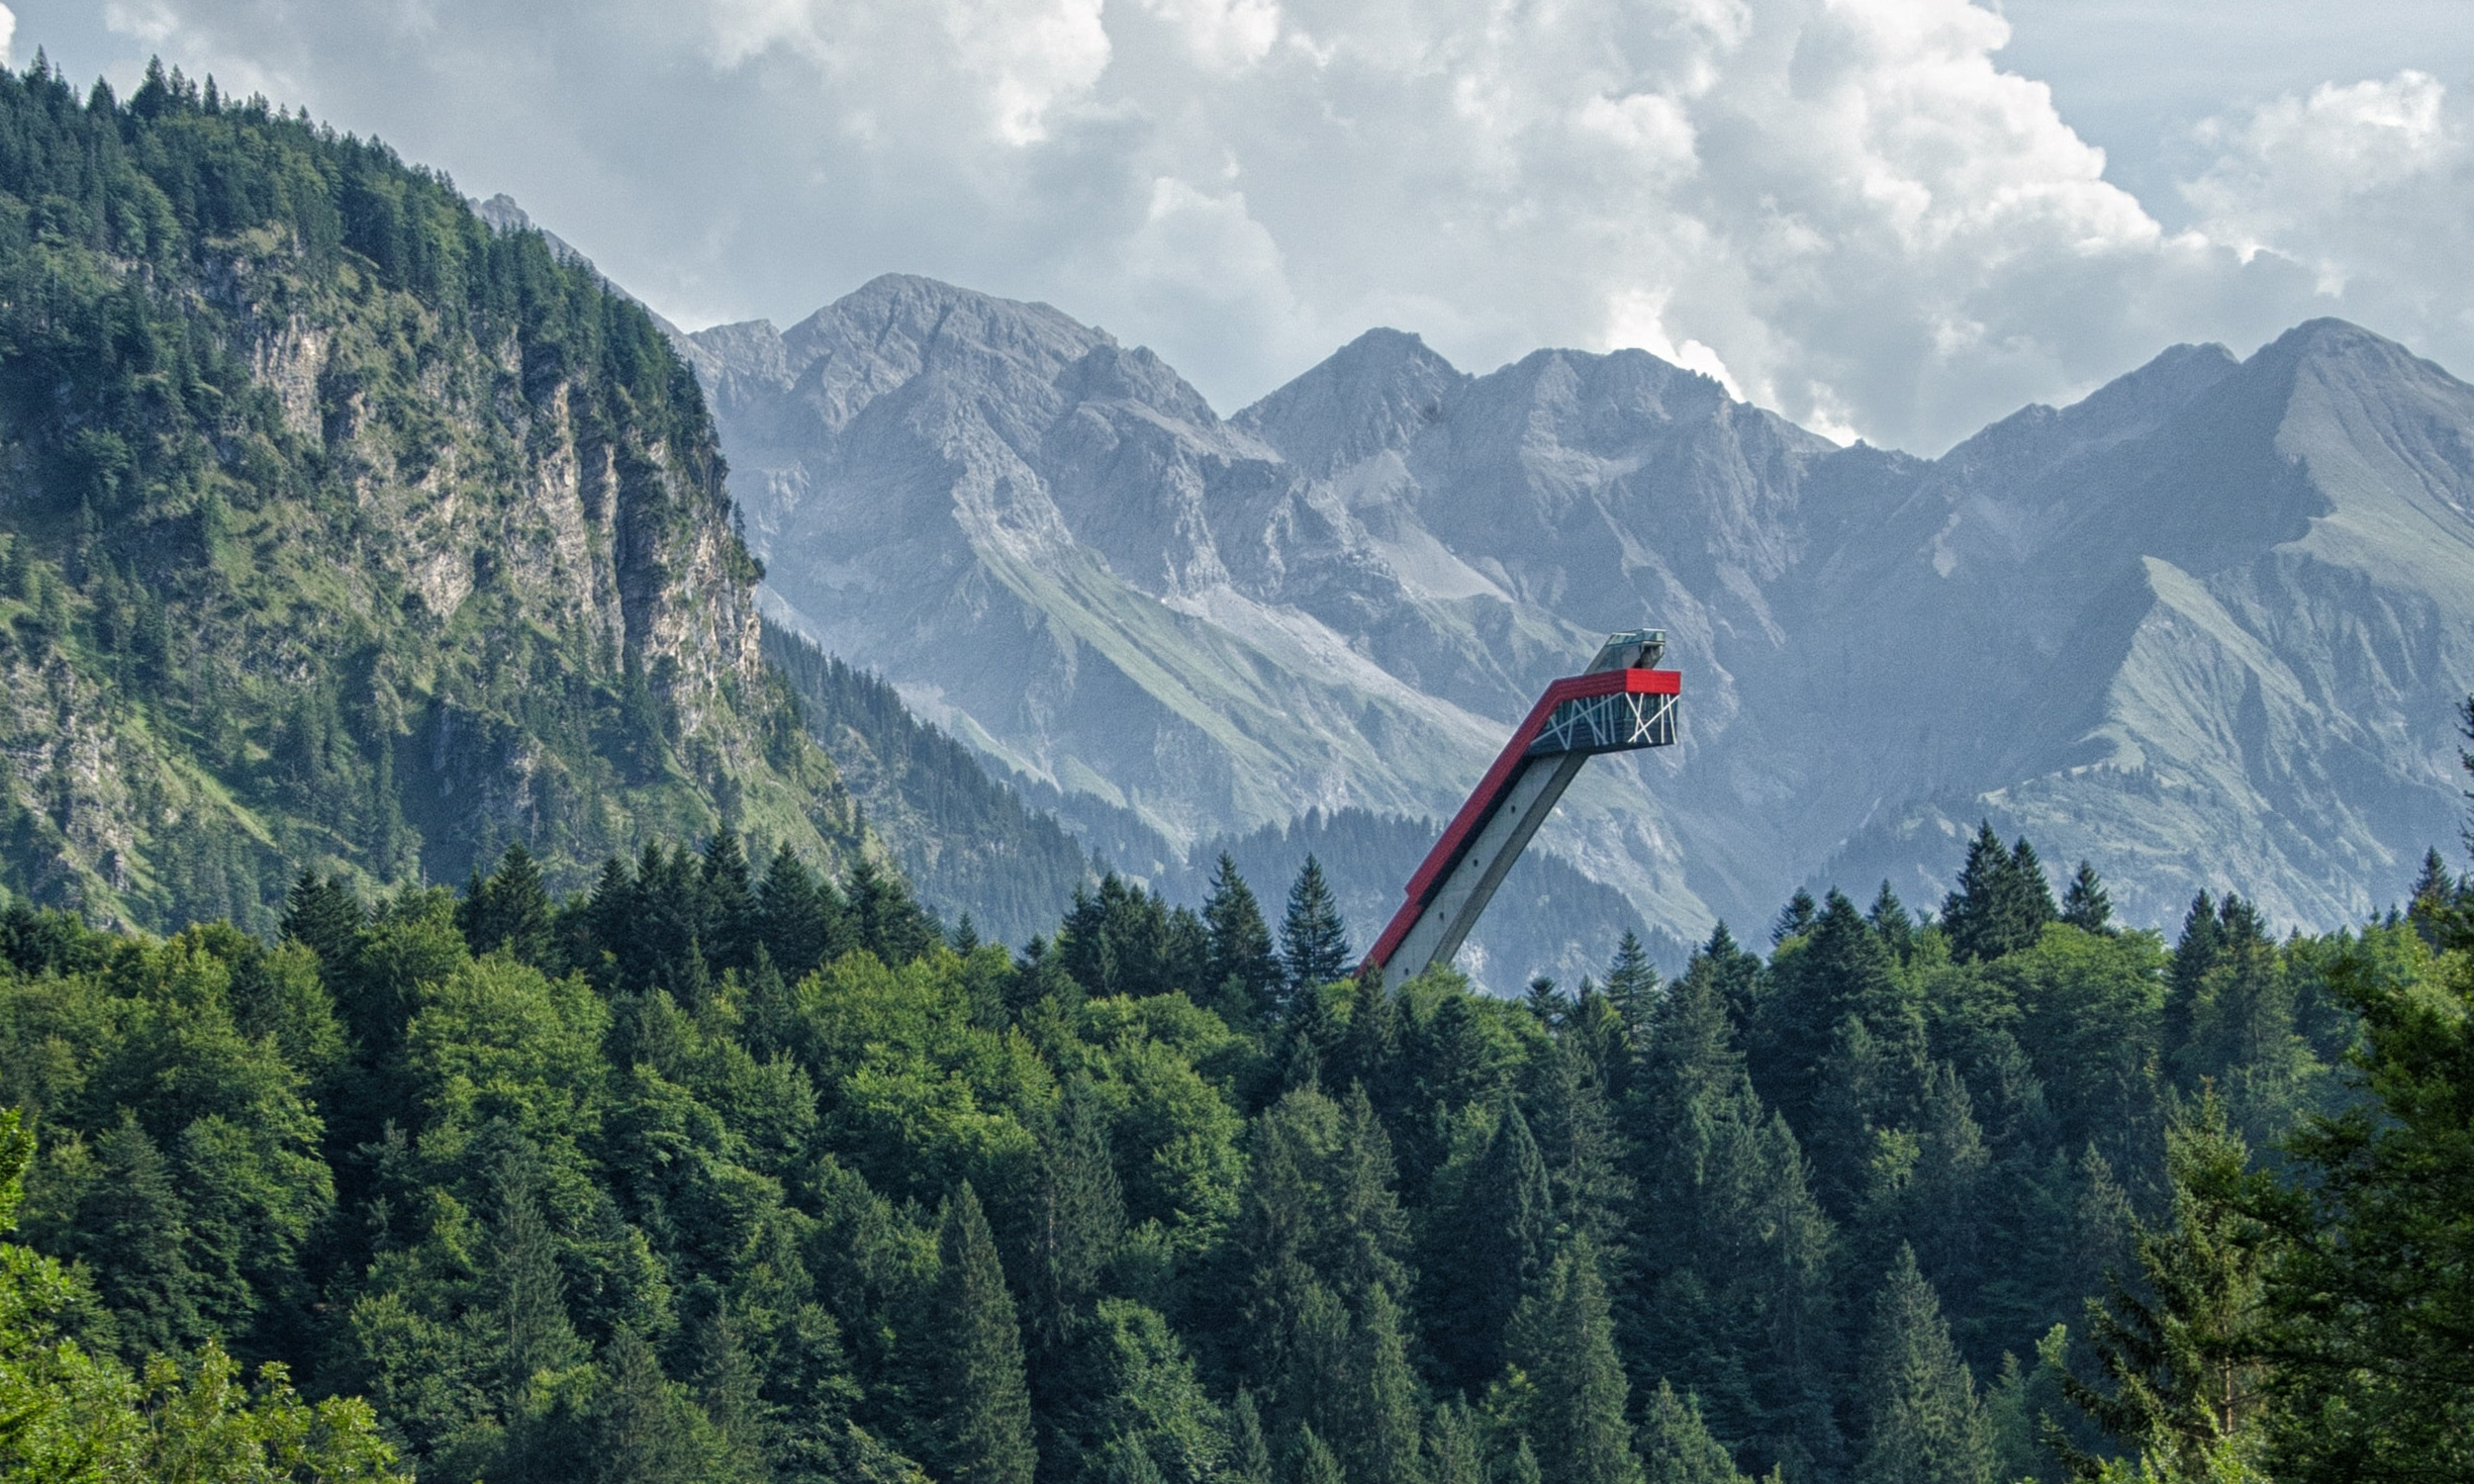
(728, 1169)
(1923, 1424)
(1313, 942)
(353, 534)
(968, 843)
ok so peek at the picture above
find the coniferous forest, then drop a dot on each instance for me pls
(732, 1162)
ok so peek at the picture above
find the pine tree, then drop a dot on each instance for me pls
(2179, 1380)
(1633, 985)
(2086, 905)
(510, 911)
(1313, 942)
(132, 1229)
(2194, 955)
(2436, 901)
(328, 916)
(793, 917)
(1368, 1054)
(983, 1402)
(1315, 1463)
(1489, 1250)
(1978, 916)
(1384, 1445)
(733, 925)
(1081, 1206)
(2029, 896)
(1795, 919)
(1676, 1447)
(531, 1293)
(1564, 1340)
(1250, 1452)
(1245, 974)
(1890, 923)
(1456, 1445)
(1924, 1425)
(1839, 969)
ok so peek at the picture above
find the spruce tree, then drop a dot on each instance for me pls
(2186, 974)
(1487, 1250)
(1313, 942)
(1676, 1447)
(2086, 905)
(1456, 1445)
(2435, 901)
(792, 916)
(533, 1294)
(1839, 969)
(1923, 1422)
(1795, 919)
(1315, 1463)
(1250, 1450)
(981, 1402)
(1384, 1445)
(733, 924)
(1081, 1206)
(510, 912)
(1633, 985)
(1972, 915)
(2178, 1377)
(1564, 1340)
(328, 916)
(1245, 974)
(1890, 923)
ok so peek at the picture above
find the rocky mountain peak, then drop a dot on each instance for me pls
(1371, 395)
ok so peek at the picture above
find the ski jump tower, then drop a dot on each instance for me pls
(1621, 703)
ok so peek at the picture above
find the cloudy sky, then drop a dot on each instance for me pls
(1894, 218)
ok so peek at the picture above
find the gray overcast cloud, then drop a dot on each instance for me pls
(1885, 218)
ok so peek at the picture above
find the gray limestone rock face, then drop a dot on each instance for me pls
(2206, 627)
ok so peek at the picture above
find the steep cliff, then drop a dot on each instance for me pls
(344, 531)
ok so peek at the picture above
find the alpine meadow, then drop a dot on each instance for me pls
(495, 987)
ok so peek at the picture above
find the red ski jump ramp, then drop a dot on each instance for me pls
(1621, 703)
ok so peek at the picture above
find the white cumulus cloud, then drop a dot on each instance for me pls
(1853, 211)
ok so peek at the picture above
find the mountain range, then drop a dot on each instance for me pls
(2207, 625)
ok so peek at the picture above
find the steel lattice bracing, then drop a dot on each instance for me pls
(1622, 702)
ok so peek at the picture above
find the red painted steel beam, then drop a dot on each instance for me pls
(1498, 783)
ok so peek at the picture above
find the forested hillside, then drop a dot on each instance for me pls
(719, 1172)
(339, 529)
(968, 842)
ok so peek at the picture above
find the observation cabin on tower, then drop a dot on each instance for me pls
(1621, 703)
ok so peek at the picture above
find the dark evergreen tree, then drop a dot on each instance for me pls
(328, 916)
(1892, 924)
(2086, 905)
(2003, 901)
(1633, 985)
(2194, 955)
(1487, 1250)
(733, 924)
(1082, 1218)
(2437, 896)
(1676, 1447)
(1315, 1461)
(1836, 971)
(1313, 942)
(532, 1293)
(1795, 919)
(510, 912)
(2178, 1380)
(1923, 1422)
(1564, 1340)
(1245, 974)
(1250, 1452)
(797, 915)
(1382, 1442)
(982, 1403)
